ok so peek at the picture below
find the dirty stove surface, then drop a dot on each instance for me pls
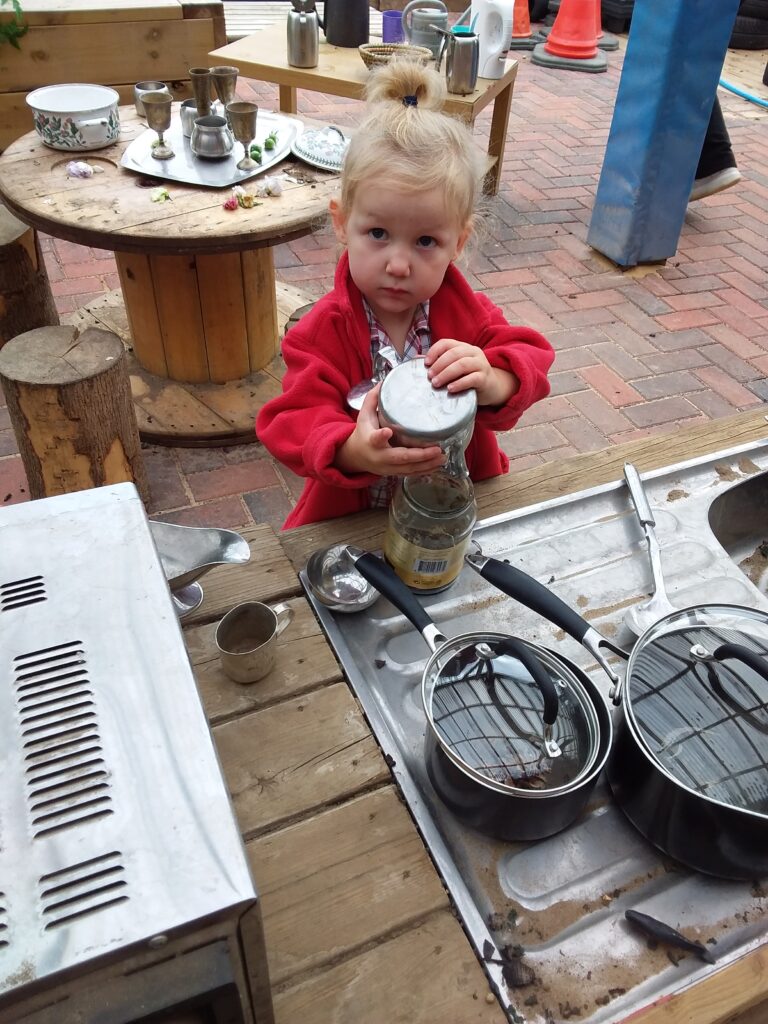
(561, 901)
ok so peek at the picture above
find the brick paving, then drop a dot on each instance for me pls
(638, 352)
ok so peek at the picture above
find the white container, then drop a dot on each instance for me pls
(494, 28)
(76, 117)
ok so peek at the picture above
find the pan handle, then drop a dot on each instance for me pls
(537, 672)
(388, 583)
(534, 595)
(735, 651)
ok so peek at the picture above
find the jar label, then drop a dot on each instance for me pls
(423, 568)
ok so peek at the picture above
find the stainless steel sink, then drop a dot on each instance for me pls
(562, 899)
(739, 520)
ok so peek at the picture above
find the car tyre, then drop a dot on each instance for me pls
(749, 34)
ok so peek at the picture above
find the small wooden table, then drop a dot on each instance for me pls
(198, 281)
(358, 925)
(341, 72)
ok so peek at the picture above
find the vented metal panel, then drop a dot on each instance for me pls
(115, 824)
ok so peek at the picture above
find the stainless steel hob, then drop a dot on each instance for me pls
(124, 886)
(561, 901)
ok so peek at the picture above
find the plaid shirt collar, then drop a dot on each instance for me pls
(417, 340)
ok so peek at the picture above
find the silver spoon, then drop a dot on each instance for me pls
(641, 616)
(385, 359)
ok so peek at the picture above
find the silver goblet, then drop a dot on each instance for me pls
(201, 86)
(242, 119)
(157, 110)
(224, 80)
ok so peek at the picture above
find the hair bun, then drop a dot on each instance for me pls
(403, 78)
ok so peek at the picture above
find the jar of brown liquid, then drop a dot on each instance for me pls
(431, 517)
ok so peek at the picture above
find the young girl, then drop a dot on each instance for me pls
(408, 191)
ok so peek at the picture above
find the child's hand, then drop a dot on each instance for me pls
(367, 449)
(459, 366)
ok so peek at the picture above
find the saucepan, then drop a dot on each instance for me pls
(689, 766)
(516, 735)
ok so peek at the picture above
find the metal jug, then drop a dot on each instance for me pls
(346, 22)
(303, 27)
(462, 57)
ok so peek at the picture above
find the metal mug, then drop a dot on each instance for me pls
(141, 87)
(246, 639)
(189, 114)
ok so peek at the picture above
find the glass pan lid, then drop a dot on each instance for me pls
(489, 714)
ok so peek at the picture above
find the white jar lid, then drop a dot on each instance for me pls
(418, 412)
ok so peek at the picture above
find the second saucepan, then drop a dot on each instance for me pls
(690, 764)
(515, 737)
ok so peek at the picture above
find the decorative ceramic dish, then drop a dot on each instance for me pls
(75, 116)
(322, 147)
(186, 167)
(377, 54)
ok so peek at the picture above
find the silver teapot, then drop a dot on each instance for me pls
(461, 48)
(303, 34)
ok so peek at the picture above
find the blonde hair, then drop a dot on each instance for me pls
(406, 141)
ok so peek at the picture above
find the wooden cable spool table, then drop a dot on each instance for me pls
(199, 305)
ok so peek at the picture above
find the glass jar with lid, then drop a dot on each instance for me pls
(431, 516)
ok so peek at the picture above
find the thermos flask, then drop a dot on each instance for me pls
(303, 34)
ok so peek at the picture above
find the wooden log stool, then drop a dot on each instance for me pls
(70, 406)
(26, 301)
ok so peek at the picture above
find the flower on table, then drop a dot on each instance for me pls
(240, 198)
(80, 169)
(159, 195)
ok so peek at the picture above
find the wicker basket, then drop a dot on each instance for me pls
(375, 55)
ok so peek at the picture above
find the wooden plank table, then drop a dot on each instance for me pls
(358, 925)
(198, 281)
(341, 72)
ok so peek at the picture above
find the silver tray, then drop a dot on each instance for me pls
(312, 146)
(562, 899)
(192, 170)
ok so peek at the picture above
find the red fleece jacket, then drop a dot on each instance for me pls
(329, 350)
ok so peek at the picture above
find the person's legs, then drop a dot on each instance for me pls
(717, 164)
(716, 151)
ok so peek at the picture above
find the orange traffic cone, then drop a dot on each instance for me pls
(572, 41)
(522, 38)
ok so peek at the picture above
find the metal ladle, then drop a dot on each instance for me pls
(386, 359)
(332, 578)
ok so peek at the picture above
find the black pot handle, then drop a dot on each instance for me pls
(534, 595)
(388, 583)
(536, 670)
(750, 658)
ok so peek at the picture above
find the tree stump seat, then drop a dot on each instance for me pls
(70, 406)
(26, 301)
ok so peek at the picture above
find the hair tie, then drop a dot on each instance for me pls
(410, 101)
